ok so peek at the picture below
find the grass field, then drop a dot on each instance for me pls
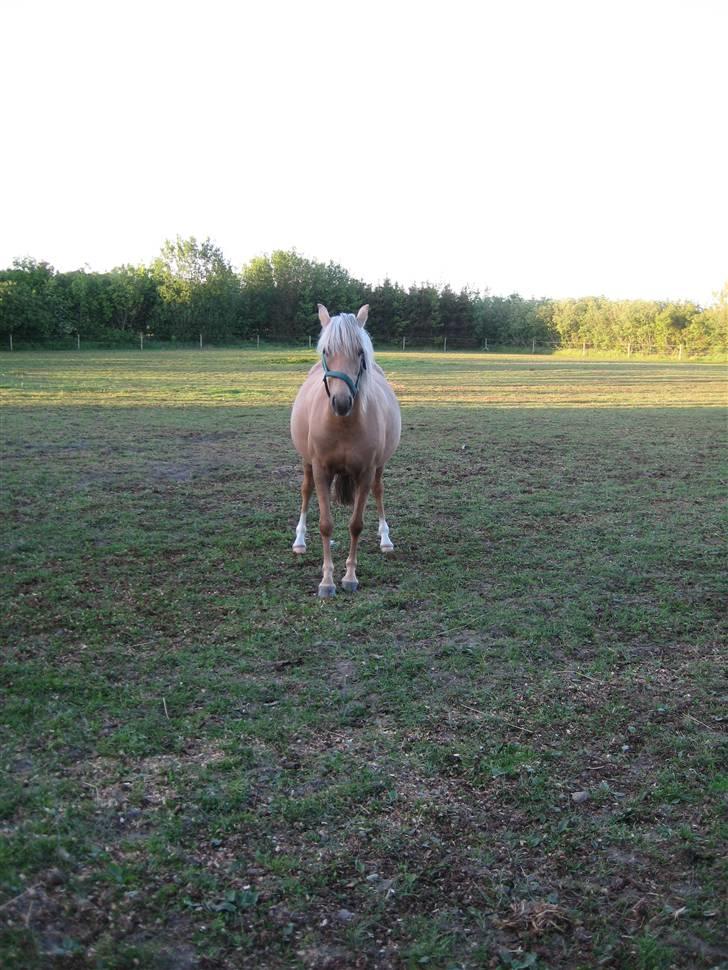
(506, 750)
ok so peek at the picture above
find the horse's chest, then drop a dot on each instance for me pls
(351, 453)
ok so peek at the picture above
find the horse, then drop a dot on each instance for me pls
(346, 425)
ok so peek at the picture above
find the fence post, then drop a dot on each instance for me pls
(444, 346)
(257, 342)
(141, 340)
(485, 343)
(78, 340)
(200, 341)
(309, 341)
(404, 341)
(533, 346)
(11, 343)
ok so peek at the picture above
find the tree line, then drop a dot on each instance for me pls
(191, 289)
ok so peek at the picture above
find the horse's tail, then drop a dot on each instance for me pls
(344, 488)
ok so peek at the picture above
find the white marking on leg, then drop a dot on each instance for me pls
(300, 541)
(386, 542)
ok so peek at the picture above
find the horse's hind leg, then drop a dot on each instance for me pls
(356, 524)
(385, 543)
(299, 543)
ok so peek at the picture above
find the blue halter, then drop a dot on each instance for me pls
(352, 385)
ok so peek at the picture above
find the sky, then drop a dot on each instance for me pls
(547, 147)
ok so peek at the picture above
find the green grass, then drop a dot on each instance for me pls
(206, 766)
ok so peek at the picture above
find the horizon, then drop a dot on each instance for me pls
(554, 152)
(373, 284)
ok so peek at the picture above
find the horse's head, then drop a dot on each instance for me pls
(346, 355)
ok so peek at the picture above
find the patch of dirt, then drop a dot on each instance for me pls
(344, 671)
(114, 785)
(535, 917)
(207, 437)
(332, 958)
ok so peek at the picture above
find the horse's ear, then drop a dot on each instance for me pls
(363, 314)
(324, 315)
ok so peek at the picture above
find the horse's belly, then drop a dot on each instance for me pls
(300, 423)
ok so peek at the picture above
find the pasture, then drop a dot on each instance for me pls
(505, 750)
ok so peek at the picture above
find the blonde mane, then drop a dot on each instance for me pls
(346, 337)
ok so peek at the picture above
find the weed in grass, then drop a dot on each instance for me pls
(651, 954)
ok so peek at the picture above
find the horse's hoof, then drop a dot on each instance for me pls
(299, 550)
(325, 591)
(349, 585)
(387, 548)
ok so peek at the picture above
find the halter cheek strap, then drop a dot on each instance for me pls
(352, 385)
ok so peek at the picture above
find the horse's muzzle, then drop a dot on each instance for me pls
(341, 404)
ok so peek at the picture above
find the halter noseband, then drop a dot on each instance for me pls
(352, 385)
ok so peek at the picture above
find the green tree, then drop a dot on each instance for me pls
(133, 296)
(26, 307)
(387, 312)
(669, 324)
(257, 297)
(8, 301)
(423, 323)
(198, 290)
(89, 307)
(707, 331)
(280, 293)
(566, 318)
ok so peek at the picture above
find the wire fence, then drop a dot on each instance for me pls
(126, 341)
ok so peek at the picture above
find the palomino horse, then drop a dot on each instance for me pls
(345, 425)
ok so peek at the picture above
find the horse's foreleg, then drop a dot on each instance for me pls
(299, 543)
(356, 524)
(326, 527)
(385, 543)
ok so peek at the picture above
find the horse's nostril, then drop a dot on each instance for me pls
(341, 405)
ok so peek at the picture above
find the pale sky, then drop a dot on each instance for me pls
(550, 147)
